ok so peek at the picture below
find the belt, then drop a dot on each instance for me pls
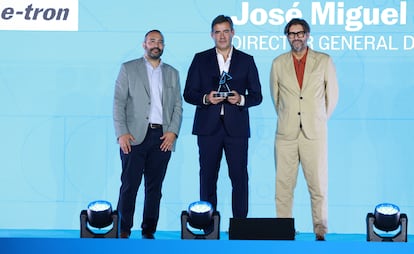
(155, 125)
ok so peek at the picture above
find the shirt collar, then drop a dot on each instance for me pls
(149, 64)
(304, 57)
(229, 56)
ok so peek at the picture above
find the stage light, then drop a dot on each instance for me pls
(387, 224)
(99, 215)
(200, 215)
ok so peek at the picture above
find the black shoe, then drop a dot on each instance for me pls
(148, 236)
(320, 237)
(124, 235)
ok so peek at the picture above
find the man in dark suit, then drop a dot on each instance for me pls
(147, 114)
(222, 122)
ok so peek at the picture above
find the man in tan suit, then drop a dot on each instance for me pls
(304, 89)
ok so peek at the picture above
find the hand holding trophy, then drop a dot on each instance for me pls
(223, 90)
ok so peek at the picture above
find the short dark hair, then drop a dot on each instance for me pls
(152, 31)
(221, 19)
(297, 21)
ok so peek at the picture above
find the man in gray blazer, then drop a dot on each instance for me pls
(147, 114)
(304, 89)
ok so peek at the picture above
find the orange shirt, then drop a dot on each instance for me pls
(300, 67)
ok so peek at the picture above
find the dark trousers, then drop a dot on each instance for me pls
(210, 152)
(149, 161)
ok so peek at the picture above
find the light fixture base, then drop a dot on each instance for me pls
(86, 232)
(373, 236)
(213, 234)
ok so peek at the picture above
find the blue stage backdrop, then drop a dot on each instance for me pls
(60, 59)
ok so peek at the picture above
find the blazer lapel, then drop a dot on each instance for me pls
(290, 68)
(166, 86)
(214, 63)
(143, 75)
(310, 63)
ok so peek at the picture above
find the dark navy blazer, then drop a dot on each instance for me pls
(203, 77)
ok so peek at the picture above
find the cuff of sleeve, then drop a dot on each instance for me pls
(242, 101)
(205, 100)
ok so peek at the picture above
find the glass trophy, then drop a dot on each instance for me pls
(223, 90)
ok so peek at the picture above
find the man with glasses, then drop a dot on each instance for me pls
(304, 90)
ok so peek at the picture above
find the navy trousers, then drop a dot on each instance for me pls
(210, 154)
(149, 161)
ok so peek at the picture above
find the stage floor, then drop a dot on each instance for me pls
(163, 235)
(69, 241)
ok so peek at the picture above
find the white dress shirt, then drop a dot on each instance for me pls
(155, 81)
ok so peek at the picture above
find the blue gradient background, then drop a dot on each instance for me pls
(58, 150)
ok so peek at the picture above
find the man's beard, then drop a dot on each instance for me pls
(297, 47)
(155, 56)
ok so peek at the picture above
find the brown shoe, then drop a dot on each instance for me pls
(320, 237)
(124, 235)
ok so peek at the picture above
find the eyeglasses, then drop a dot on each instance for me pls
(154, 41)
(299, 34)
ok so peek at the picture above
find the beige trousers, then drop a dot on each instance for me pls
(312, 154)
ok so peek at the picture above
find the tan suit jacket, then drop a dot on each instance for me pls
(308, 108)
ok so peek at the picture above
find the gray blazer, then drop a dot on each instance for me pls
(132, 100)
(310, 107)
